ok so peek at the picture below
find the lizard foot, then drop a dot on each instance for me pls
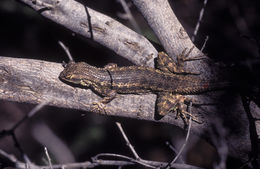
(181, 112)
(167, 103)
(182, 58)
(99, 107)
(167, 64)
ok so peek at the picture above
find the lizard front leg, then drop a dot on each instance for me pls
(167, 64)
(108, 95)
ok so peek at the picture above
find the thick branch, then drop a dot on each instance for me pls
(35, 81)
(106, 31)
(171, 33)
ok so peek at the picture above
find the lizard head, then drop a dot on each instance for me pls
(78, 73)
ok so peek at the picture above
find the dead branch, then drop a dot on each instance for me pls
(34, 81)
(171, 33)
(10, 160)
(106, 31)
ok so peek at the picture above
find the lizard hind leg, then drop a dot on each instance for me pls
(168, 102)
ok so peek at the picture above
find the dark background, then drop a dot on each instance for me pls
(233, 30)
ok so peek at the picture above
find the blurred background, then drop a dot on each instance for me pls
(74, 136)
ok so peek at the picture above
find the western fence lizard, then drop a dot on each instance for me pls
(168, 80)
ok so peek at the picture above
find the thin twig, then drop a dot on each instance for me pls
(199, 21)
(13, 161)
(171, 147)
(30, 114)
(48, 157)
(18, 146)
(185, 142)
(127, 141)
(67, 51)
(204, 44)
(139, 160)
(135, 161)
(174, 150)
(95, 158)
(11, 132)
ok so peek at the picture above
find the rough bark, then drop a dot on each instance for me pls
(171, 33)
(35, 81)
(106, 31)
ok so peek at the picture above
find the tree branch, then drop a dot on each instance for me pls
(106, 31)
(171, 33)
(10, 160)
(34, 81)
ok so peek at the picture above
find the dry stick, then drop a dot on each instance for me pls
(199, 21)
(107, 31)
(48, 157)
(174, 150)
(167, 28)
(67, 51)
(95, 158)
(204, 44)
(11, 131)
(127, 141)
(186, 140)
(130, 16)
(132, 160)
(184, 144)
(140, 161)
(30, 114)
(12, 161)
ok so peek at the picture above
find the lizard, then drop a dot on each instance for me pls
(167, 80)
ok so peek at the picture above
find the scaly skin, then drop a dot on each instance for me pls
(168, 81)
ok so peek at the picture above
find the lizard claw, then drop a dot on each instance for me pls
(168, 103)
(183, 114)
(99, 107)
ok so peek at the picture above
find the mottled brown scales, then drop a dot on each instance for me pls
(168, 81)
